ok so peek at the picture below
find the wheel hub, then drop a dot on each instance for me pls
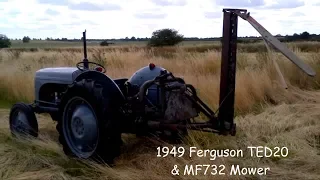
(77, 127)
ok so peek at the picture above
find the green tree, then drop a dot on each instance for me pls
(165, 37)
(4, 41)
(26, 39)
(305, 35)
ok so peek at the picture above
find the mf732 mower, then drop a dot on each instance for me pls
(92, 110)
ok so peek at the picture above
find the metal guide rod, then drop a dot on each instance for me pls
(277, 44)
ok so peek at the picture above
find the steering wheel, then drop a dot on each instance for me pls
(98, 67)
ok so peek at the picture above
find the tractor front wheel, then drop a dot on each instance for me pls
(23, 121)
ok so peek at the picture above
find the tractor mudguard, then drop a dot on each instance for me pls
(114, 90)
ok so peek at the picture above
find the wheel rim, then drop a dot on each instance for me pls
(20, 124)
(80, 127)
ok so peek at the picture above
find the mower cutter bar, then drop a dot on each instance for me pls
(175, 127)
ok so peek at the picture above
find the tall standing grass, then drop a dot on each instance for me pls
(256, 79)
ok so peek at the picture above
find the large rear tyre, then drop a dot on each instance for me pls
(88, 128)
(23, 121)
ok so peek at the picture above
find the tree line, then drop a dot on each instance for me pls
(168, 37)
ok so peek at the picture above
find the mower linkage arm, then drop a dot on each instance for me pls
(190, 92)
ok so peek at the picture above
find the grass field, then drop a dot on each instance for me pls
(267, 114)
(55, 44)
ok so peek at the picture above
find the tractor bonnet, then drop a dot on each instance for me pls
(144, 74)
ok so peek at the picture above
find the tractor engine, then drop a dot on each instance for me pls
(162, 96)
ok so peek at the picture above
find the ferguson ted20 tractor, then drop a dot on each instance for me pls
(92, 110)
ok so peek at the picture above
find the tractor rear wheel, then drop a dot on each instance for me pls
(23, 121)
(87, 128)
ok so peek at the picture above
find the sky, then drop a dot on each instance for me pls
(106, 19)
